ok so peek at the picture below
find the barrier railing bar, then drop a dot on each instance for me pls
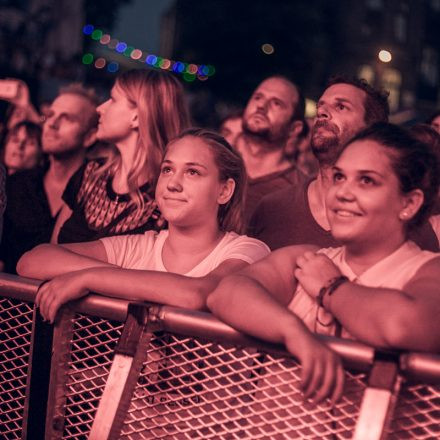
(424, 367)
(13, 286)
(420, 366)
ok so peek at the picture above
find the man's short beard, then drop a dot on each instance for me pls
(326, 150)
(266, 135)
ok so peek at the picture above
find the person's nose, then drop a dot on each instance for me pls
(323, 112)
(344, 191)
(52, 122)
(101, 107)
(262, 104)
(21, 144)
(175, 182)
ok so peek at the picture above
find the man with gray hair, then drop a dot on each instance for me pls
(34, 196)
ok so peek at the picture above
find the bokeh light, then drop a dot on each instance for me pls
(166, 64)
(87, 58)
(178, 67)
(88, 29)
(151, 59)
(188, 77)
(105, 39)
(267, 48)
(192, 68)
(100, 63)
(136, 54)
(189, 71)
(113, 67)
(128, 51)
(385, 56)
(97, 34)
(121, 47)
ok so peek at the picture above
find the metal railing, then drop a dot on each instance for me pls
(150, 371)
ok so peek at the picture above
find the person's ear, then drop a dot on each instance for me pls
(226, 192)
(296, 127)
(90, 137)
(135, 119)
(411, 204)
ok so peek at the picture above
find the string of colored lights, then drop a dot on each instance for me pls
(188, 71)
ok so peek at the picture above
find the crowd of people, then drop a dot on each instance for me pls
(329, 226)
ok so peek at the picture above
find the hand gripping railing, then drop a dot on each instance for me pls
(190, 376)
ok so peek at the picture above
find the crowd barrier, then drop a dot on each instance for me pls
(111, 369)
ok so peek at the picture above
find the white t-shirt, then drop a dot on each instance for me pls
(144, 251)
(393, 272)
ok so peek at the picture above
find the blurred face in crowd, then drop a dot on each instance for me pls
(67, 128)
(22, 151)
(269, 111)
(231, 129)
(435, 124)
(340, 115)
(117, 117)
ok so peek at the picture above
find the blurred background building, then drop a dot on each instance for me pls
(392, 43)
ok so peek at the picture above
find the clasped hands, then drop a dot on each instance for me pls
(313, 271)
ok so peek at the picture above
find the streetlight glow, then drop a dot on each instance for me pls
(385, 56)
(268, 49)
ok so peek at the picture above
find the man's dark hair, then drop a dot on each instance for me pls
(376, 104)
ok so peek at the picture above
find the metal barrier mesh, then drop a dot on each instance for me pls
(15, 345)
(417, 413)
(190, 389)
(94, 340)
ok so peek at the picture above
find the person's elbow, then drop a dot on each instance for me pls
(200, 293)
(218, 299)
(416, 330)
(29, 264)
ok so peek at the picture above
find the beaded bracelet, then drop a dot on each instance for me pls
(329, 287)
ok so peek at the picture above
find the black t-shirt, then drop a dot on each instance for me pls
(27, 219)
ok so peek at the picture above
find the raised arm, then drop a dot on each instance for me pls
(49, 260)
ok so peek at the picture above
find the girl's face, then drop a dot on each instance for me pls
(117, 117)
(189, 191)
(21, 151)
(364, 203)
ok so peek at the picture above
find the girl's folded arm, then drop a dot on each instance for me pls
(46, 261)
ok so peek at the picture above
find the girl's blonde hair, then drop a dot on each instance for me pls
(162, 115)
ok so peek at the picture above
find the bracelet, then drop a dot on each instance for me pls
(329, 287)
